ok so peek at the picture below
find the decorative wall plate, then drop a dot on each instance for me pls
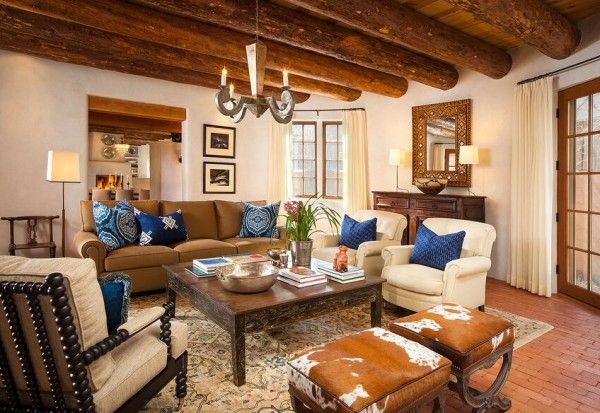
(109, 152)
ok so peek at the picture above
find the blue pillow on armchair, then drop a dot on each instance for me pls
(434, 250)
(157, 230)
(356, 232)
(116, 288)
(259, 221)
(116, 227)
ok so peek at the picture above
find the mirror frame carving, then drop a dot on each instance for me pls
(461, 111)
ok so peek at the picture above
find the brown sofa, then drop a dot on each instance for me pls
(212, 228)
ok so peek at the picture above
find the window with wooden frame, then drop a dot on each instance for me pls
(333, 163)
(304, 159)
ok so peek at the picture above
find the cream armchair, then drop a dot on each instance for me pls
(390, 227)
(417, 287)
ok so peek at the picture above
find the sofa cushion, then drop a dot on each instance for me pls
(415, 277)
(136, 256)
(259, 221)
(200, 217)
(87, 216)
(355, 233)
(85, 300)
(371, 371)
(435, 250)
(328, 254)
(203, 248)
(157, 230)
(258, 245)
(464, 336)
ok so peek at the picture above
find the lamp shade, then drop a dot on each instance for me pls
(397, 157)
(63, 167)
(468, 155)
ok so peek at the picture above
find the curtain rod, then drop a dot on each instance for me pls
(562, 70)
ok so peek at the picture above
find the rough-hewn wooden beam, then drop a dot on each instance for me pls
(112, 44)
(532, 21)
(149, 25)
(54, 50)
(297, 29)
(401, 25)
(137, 109)
(132, 136)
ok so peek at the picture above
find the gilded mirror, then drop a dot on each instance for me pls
(439, 130)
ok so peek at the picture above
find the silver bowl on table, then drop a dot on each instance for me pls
(247, 278)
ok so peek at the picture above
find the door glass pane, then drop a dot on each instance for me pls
(595, 241)
(581, 154)
(570, 272)
(578, 192)
(595, 184)
(577, 230)
(595, 264)
(595, 167)
(596, 112)
(581, 114)
(581, 269)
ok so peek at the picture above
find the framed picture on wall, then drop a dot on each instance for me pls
(219, 178)
(219, 141)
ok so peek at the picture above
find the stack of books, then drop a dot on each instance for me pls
(301, 277)
(207, 267)
(352, 275)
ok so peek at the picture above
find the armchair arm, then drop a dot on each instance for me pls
(325, 240)
(371, 248)
(397, 255)
(141, 321)
(463, 267)
(88, 245)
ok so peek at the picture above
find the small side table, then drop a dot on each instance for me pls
(32, 243)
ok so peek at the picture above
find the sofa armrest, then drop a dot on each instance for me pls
(325, 241)
(374, 248)
(397, 255)
(88, 245)
(463, 267)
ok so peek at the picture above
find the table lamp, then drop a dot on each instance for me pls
(397, 158)
(468, 155)
(63, 167)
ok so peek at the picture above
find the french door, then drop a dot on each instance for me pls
(579, 192)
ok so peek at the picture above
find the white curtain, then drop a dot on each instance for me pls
(279, 162)
(356, 165)
(532, 188)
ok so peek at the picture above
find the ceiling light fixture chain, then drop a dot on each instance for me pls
(256, 54)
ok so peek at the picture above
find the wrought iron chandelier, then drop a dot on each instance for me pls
(258, 104)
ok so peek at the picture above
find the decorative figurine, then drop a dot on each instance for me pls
(340, 262)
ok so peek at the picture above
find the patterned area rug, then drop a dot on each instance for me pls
(210, 388)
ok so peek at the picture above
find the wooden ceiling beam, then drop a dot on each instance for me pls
(40, 36)
(295, 28)
(149, 25)
(132, 136)
(403, 26)
(133, 122)
(136, 109)
(532, 21)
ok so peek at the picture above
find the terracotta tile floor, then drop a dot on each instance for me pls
(558, 372)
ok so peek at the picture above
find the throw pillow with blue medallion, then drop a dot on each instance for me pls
(259, 221)
(157, 230)
(434, 250)
(356, 232)
(116, 227)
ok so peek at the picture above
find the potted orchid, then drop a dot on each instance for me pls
(301, 223)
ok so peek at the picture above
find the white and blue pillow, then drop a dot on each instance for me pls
(259, 221)
(434, 250)
(157, 230)
(356, 232)
(116, 227)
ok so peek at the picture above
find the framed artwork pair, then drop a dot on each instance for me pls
(219, 142)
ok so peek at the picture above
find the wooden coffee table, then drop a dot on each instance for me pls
(239, 314)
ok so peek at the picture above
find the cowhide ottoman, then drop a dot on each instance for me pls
(472, 340)
(371, 371)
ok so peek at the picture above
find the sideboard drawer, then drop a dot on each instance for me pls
(386, 202)
(433, 205)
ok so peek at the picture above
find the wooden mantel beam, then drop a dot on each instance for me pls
(532, 21)
(295, 28)
(108, 44)
(401, 25)
(149, 25)
(55, 50)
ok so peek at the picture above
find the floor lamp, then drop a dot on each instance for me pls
(63, 167)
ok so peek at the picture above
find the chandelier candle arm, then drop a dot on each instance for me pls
(223, 77)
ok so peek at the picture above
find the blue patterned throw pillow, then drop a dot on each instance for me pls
(116, 227)
(116, 289)
(356, 232)
(157, 230)
(259, 221)
(434, 250)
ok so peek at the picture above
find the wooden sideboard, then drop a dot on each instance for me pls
(417, 207)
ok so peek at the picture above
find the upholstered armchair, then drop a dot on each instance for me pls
(57, 355)
(417, 287)
(390, 227)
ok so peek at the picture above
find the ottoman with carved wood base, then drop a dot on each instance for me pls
(371, 371)
(472, 340)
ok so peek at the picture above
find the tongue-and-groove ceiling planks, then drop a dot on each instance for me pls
(333, 48)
